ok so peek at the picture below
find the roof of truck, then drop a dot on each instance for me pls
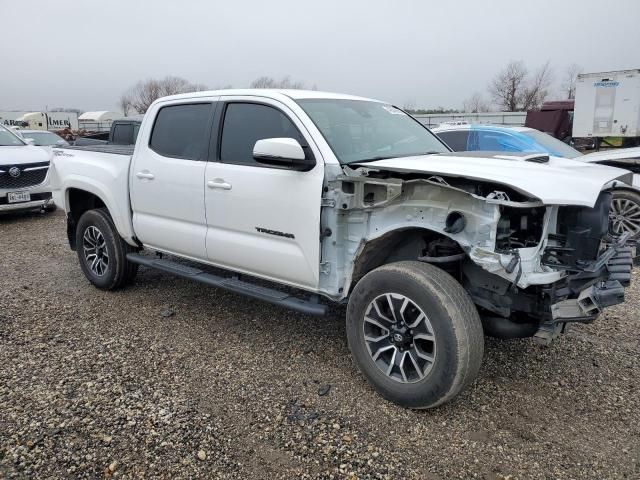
(271, 93)
(476, 126)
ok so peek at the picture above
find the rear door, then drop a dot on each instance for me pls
(262, 219)
(167, 178)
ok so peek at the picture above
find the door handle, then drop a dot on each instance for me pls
(147, 175)
(219, 183)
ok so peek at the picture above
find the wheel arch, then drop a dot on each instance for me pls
(405, 243)
(81, 198)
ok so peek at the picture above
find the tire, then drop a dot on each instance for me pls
(50, 208)
(456, 348)
(96, 233)
(625, 213)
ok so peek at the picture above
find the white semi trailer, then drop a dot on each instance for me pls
(40, 120)
(607, 104)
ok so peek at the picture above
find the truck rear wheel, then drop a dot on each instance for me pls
(414, 333)
(102, 252)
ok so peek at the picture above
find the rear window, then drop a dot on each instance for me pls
(182, 131)
(123, 134)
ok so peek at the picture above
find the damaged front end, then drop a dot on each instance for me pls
(530, 268)
(593, 274)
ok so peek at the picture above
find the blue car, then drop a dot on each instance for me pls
(625, 207)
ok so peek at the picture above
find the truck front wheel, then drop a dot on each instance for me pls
(414, 333)
(102, 252)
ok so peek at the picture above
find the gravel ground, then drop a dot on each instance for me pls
(169, 379)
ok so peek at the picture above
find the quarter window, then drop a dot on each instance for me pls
(245, 124)
(182, 131)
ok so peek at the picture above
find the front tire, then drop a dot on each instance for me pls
(102, 252)
(414, 333)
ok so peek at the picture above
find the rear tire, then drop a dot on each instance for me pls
(451, 336)
(102, 252)
(624, 214)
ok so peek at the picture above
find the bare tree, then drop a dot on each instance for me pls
(513, 89)
(475, 104)
(569, 80)
(145, 92)
(284, 82)
(537, 88)
(507, 86)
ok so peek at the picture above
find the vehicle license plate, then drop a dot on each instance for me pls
(16, 197)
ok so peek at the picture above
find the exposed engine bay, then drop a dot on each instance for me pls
(515, 256)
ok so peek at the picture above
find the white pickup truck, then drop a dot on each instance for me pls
(316, 197)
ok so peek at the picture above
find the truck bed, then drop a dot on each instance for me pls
(104, 148)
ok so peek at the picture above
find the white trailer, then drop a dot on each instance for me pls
(40, 120)
(607, 104)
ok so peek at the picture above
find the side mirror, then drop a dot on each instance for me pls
(283, 152)
(30, 141)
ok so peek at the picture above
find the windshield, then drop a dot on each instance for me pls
(8, 139)
(552, 145)
(46, 138)
(360, 130)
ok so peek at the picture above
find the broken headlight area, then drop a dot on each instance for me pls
(519, 228)
(579, 235)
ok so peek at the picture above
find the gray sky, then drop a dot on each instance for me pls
(82, 54)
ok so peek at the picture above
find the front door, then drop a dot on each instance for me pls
(167, 180)
(262, 220)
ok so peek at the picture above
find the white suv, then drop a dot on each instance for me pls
(24, 172)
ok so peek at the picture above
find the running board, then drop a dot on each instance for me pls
(231, 284)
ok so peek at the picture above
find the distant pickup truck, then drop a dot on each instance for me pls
(123, 131)
(352, 201)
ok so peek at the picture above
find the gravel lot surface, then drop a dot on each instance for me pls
(169, 379)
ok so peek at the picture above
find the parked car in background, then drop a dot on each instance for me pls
(625, 207)
(354, 201)
(42, 138)
(24, 176)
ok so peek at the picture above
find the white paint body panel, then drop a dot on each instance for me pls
(558, 182)
(102, 174)
(257, 197)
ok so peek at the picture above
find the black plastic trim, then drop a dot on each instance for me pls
(231, 284)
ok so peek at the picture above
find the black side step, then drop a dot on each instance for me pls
(232, 284)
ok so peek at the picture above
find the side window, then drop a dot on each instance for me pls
(496, 142)
(245, 124)
(182, 131)
(122, 134)
(456, 139)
